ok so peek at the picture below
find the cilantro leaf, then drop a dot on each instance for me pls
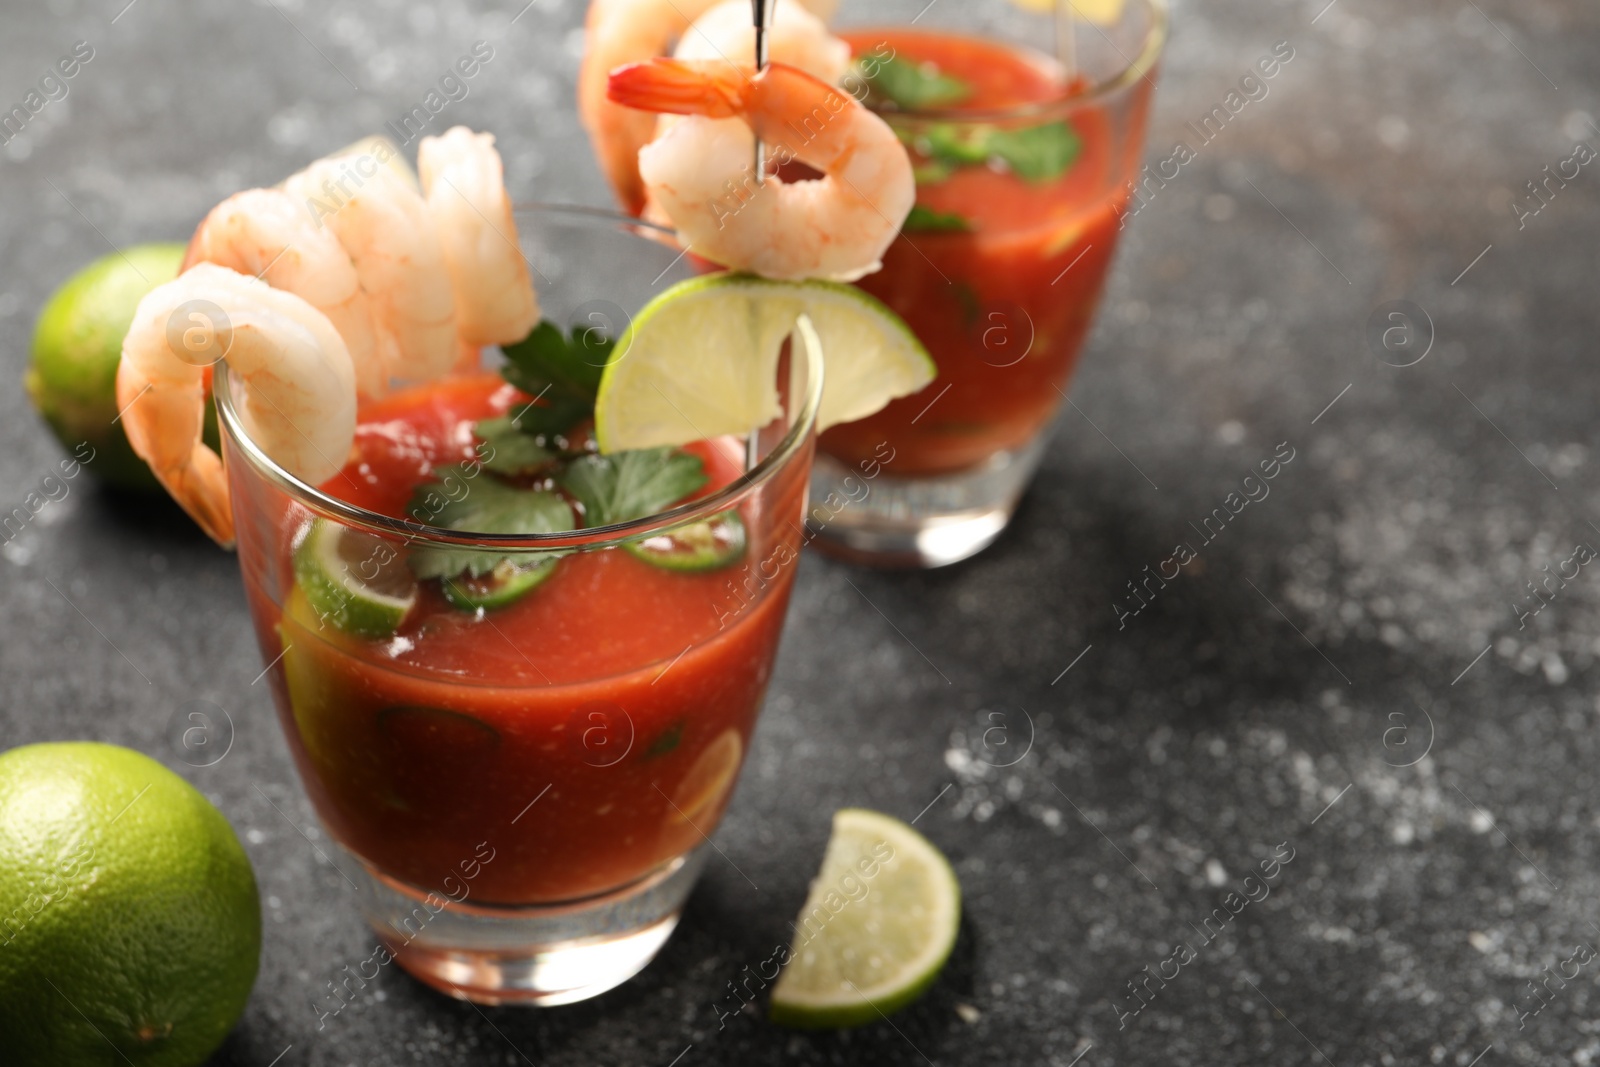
(1034, 153)
(1038, 153)
(594, 349)
(631, 485)
(561, 372)
(911, 85)
(511, 451)
(548, 355)
(482, 505)
(554, 411)
(926, 220)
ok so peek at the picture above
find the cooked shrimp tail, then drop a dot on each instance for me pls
(681, 87)
(296, 385)
(191, 473)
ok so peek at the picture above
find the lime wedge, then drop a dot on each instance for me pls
(354, 582)
(700, 360)
(876, 929)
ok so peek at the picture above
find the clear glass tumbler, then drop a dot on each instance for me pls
(524, 797)
(1026, 165)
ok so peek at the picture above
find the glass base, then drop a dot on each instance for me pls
(537, 955)
(926, 522)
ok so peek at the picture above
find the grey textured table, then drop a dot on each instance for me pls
(1262, 699)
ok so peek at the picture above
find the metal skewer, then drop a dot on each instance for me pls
(762, 10)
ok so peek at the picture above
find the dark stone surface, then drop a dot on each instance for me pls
(1227, 717)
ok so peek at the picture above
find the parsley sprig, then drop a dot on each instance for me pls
(906, 84)
(926, 220)
(1036, 154)
(486, 505)
(526, 455)
(631, 485)
(561, 372)
(511, 451)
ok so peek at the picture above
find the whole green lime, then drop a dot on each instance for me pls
(77, 345)
(130, 928)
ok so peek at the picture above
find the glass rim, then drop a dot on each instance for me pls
(328, 506)
(1135, 69)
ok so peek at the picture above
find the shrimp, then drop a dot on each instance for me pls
(383, 223)
(726, 32)
(620, 32)
(796, 37)
(262, 232)
(295, 382)
(836, 227)
(464, 183)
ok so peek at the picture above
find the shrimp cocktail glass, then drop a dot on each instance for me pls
(1022, 121)
(523, 741)
(1025, 122)
(518, 622)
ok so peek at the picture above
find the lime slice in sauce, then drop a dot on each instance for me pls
(354, 582)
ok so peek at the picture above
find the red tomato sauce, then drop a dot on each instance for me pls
(1004, 306)
(628, 690)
